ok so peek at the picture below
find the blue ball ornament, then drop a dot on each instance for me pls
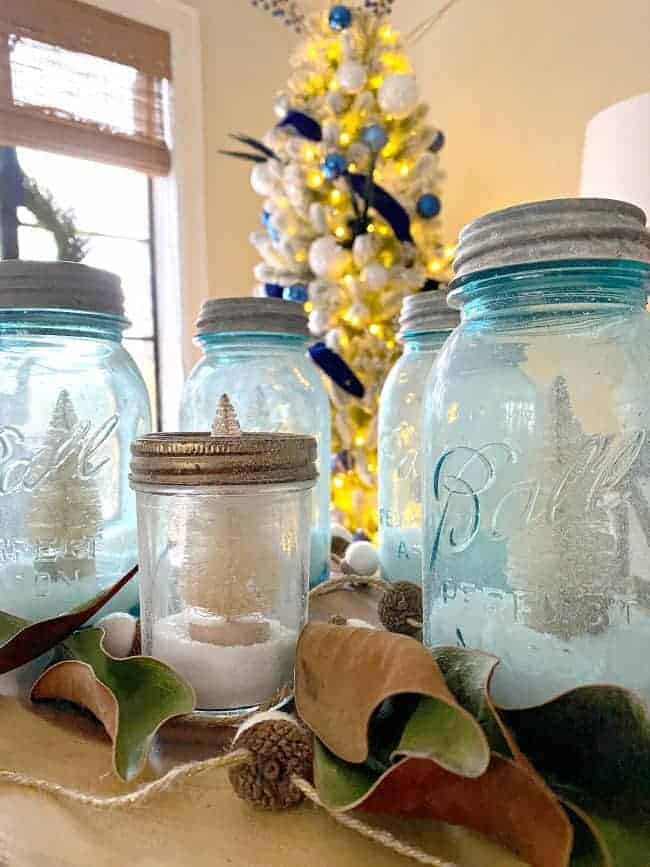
(340, 17)
(265, 218)
(438, 142)
(273, 290)
(296, 292)
(428, 206)
(334, 165)
(274, 234)
(374, 136)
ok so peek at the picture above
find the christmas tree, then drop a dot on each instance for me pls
(350, 181)
(65, 515)
(571, 551)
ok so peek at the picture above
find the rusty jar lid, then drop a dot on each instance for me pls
(226, 456)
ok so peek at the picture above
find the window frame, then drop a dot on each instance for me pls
(180, 274)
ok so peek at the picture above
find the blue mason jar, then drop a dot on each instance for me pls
(426, 322)
(537, 457)
(71, 402)
(255, 350)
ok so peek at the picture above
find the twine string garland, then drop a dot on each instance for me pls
(187, 771)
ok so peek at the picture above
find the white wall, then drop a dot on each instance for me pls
(511, 82)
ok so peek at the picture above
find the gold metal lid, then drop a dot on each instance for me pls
(224, 457)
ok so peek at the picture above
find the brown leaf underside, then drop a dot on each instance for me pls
(75, 682)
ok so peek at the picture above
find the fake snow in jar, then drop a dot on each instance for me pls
(224, 534)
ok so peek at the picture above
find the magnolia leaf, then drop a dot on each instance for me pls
(22, 641)
(593, 746)
(254, 143)
(132, 698)
(344, 678)
(244, 155)
(506, 803)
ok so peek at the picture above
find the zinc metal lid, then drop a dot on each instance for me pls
(263, 315)
(29, 285)
(227, 456)
(553, 230)
(426, 311)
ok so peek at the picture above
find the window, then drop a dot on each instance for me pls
(84, 93)
(112, 213)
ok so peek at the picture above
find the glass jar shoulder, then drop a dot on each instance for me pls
(283, 391)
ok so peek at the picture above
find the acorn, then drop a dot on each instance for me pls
(280, 749)
(400, 608)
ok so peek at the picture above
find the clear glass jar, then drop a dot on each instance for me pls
(426, 322)
(537, 458)
(71, 401)
(224, 531)
(255, 350)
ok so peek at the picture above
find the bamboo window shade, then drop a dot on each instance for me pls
(84, 82)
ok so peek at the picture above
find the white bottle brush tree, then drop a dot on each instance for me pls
(65, 516)
(350, 181)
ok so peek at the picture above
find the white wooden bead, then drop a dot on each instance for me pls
(119, 633)
(362, 558)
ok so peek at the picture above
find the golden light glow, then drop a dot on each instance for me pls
(309, 153)
(348, 281)
(396, 62)
(390, 344)
(338, 481)
(315, 180)
(375, 81)
(404, 169)
(353, 167)
(359, 440)
(387, 34)
(301, 256)
(345, 139)
(371, 228)
(391, 147)
(376, 175)
(308, 307)
(434, 266)
(452, 413)
(375, 329)
(387, 258)
(450, 251)
(336, 196)
(383, 230)
(334, 51)
(340, 232)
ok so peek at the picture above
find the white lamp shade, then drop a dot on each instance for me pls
(616, 159)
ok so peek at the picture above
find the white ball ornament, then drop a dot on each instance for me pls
(364, 249)
(318, 217)
(333, 342)
(376, 276)
(399, 95)
(262, 180)
(319, 321)
(362, 558)
(327, 258)
(281, 105)
(119, 633)
(352, 76)
(337, 101)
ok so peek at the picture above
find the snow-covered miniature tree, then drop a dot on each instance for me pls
(350, 181)
(65, 515)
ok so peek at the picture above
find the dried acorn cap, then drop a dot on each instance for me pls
(400, 608)
(281, 749)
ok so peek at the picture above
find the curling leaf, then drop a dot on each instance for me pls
(131, 697)
(22, 641)
(304, 125)
(386, 205)
(344, 677)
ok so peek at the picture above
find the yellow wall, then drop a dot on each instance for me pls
(511, 82)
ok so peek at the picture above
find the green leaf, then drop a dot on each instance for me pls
(593, 746)
(132, 697)
(22, 641)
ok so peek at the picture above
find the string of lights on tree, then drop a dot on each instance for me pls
(350, 179)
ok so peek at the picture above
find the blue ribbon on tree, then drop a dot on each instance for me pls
(305, 125)
(386, 205)
(337, 369)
